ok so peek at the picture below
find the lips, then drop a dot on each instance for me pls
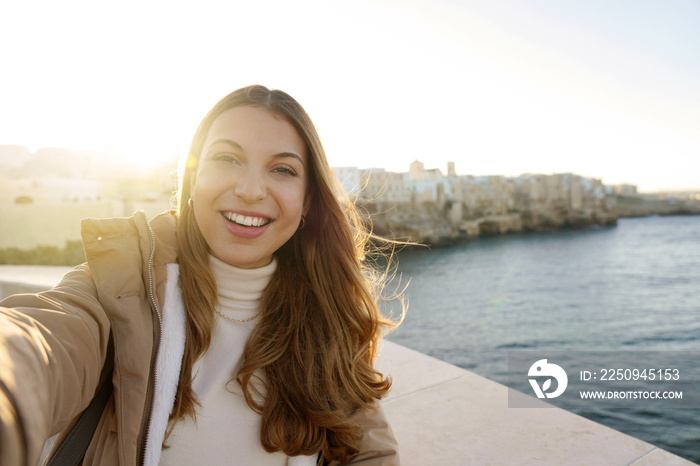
(247, 227)
(245, 220)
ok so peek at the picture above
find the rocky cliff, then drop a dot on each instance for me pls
(431, 224)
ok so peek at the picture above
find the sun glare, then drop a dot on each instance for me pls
(497, 87)
(143, 156)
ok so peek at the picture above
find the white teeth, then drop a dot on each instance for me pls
(245, 221)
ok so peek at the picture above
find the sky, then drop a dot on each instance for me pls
(601, 88)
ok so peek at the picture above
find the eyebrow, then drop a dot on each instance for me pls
(230, 142)
(292, 155)
(281, 155)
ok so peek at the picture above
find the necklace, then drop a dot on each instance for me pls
(236, 320)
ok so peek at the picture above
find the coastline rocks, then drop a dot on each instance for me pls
(501, 224)
(644, 206)
(428, 224)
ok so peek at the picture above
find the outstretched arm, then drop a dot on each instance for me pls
(52, 348)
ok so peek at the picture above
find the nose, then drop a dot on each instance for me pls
(250, 187)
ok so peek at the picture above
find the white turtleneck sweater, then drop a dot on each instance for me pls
(227, 431)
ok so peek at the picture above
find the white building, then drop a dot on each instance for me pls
(350, 179)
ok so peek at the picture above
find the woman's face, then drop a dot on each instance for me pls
(249, 190)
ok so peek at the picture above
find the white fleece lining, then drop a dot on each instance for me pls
(172, 347)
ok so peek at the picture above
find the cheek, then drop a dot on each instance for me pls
(205, 184)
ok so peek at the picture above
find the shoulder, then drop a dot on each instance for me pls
(137, 230)
(119, 249)
(162, 226)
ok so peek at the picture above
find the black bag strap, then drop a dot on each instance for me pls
(74, 446)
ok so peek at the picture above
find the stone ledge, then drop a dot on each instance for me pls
(442, 414)
(15, 279)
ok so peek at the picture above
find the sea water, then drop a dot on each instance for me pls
(633, 287)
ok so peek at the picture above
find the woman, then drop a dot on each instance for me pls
(243, 326)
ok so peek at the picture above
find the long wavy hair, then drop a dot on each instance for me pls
(308, 363)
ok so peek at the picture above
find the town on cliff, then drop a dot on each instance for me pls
(429, 207)
(44, 195)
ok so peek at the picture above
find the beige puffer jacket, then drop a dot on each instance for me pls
(53, 346)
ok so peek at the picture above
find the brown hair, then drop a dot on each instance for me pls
(317, 336)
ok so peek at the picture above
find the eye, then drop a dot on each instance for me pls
(225, 157)
(285, 170)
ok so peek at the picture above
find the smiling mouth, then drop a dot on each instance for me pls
(246, 221)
